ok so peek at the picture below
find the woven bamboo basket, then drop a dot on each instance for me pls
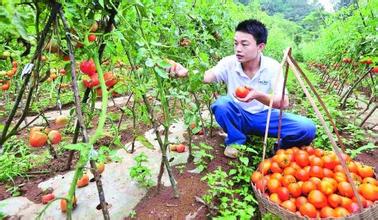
(267, 206)
(264, 203)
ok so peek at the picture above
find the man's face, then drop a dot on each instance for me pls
(246, 48)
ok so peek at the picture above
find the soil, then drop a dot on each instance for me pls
(163, 205)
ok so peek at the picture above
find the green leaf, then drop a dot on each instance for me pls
(142, 139)
(149, 62)
(101, 2)
(77, 147)
(162, 73)
(232, 172)
(244, 160)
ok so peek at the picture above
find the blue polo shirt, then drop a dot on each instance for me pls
(229, 70)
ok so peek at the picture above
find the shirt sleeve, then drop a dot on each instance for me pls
(220, 71)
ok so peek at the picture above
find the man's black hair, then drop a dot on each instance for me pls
(255, 28)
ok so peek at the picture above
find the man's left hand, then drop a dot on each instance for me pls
(252, 94)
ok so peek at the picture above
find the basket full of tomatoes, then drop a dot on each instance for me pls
(311, 183)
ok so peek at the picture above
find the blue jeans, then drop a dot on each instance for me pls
(238, 123)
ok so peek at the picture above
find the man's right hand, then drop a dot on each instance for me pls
(177, 70)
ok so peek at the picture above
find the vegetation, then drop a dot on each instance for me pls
(66, 55)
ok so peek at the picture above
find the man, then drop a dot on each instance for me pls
(250, 68)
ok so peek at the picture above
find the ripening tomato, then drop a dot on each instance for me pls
(241, 91)
(353, 207)
(83, 181)
(180, 148)
(316, 171)
(283, 193)
(339, 168)
(340, 177)
(295, 189)
(287, 179)
(283, 160)
(261, 184)
(63, 204)
(91, 37)
(92, 81)
(277, 176)
(37, 139)
(307, 187)
(316, 161)
(352, 166)
(370, 180)
(301, 158)
(317, 198)
(110, 79)
(300, 201)
(327, 212)
(319, 152)
(327, 187)
(369, 191)
(256, 176)
(289, 171)
(310, 150)
(100, 167)
(88, 67)
(345, 189)
(316, 181)
(274, 198)
(340, 212)
(5, 86)
(275, 168)
(302, 175)
(328, 173)
(289, 205)
(334, 200)
(329, 162)
(374, 69)
(47, 198)
(264, 166)
(308, 210)
(54, 136)
(365, 171)
(273, 185)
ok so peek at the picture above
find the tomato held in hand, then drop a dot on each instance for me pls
(241, 92)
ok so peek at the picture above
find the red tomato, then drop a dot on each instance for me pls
(91, 37)
(54, 136)
(317, 198)
(283, 193)
(180, 148)
(5, 86)
(294, 189)
(110, 79)
(308, 210)
(241, 92)
(37, 139)
(334, 200)
(47, 198)
(88, 67)
(83, 181)
(374, 69)
(301, 158)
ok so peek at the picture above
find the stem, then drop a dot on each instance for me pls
(349, 92)
(41, 41)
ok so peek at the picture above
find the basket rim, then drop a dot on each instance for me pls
(260, 196)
